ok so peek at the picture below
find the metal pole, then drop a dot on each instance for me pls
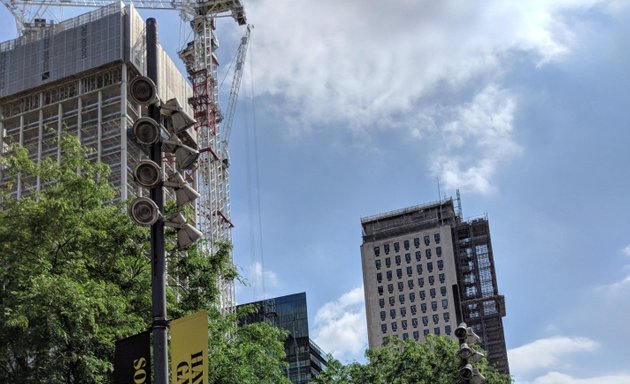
(463, 362)
(158, 262)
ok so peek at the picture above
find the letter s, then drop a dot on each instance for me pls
(139, 363)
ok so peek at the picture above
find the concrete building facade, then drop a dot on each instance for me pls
(72, 77)
(425, 270)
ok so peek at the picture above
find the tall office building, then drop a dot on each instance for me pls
(304, 357)
(425, 270)
(73, 77)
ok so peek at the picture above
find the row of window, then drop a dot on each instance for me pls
(412, 295)
(413, 311)
(419, 267)
(410, 283)
(399, 272)
(416, 335)
(428, 253)
(412, 307)
(416, 243)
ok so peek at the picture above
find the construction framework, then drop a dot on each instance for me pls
(51, 82)
(211, 178)
(482, 306)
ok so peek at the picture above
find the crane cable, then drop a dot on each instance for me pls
(257, 171)
(254, 193)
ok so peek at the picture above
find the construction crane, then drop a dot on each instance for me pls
(200, 60)
(29, 13)
(239, 65)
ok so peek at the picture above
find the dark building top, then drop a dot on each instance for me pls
(408, 220)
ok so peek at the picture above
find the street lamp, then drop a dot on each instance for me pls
(147, 132)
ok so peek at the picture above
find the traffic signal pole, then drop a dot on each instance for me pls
(158, 259)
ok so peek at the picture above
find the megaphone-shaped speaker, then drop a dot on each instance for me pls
(186, 233)
(143, 90)
(146, 131)
(177, 119)
(184, 193)
(185, 156)
(144, 211)
(148, 174)
(477, 377)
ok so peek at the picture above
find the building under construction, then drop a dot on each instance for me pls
(425, 270)
(72, 77)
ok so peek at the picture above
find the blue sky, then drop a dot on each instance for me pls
(355, 108)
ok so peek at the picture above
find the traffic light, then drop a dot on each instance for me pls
(172, 135)
(467, 371)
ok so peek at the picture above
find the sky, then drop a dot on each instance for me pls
(349, 109)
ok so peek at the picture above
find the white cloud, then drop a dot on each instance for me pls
(616, 289)
(560, 378)
(404, 65)
(340, 326)
(626, 250)
(474, 143)
(257, 272)
(259, 279)
(367, 64)
(547, 353)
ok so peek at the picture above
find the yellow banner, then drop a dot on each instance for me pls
(189, 349)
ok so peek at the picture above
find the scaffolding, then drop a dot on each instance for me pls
(481, 304)
(85, 96)
(47, 52)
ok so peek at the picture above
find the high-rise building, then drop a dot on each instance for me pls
(425, 270)
(304, 357)
(72, 77)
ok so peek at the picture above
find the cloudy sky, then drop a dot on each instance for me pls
(357, 107)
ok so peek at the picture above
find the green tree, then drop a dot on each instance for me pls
(255, 344)
(74, 278)
(407, 362)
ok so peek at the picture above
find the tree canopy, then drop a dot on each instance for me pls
(407, 362)
(75, 277)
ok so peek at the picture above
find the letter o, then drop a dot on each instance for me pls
(140, 376)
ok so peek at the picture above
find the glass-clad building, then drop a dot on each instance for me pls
(304, 357)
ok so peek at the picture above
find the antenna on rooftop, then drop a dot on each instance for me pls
(459, 204)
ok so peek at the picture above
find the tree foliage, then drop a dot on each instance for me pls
(407, 362)
(75, 277)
